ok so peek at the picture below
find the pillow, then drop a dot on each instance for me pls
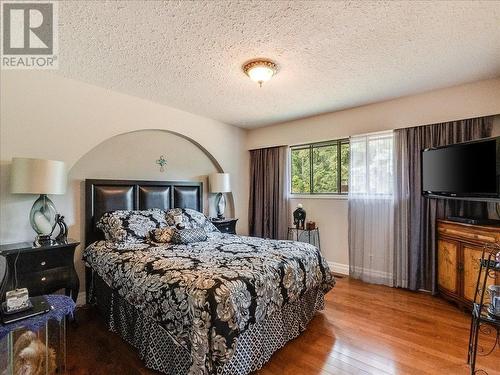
(185, 236)
(162, 235)
(130, 226)
(190, 219)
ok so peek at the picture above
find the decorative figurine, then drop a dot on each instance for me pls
(299, 217)
(63, 229)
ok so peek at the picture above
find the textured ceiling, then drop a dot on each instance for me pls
(332, 55)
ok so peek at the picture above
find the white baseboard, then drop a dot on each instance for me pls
(81, 299)
(340, 268)
(374, 273)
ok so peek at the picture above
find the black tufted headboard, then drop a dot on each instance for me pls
(108, 195)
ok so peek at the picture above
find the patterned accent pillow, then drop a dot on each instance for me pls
(185, 236)
(162, 235)
(190, 219)
(131, 226)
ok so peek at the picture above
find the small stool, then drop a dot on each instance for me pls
(39, 338)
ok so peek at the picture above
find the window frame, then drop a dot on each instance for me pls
(310, 146)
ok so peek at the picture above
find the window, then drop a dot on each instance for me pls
(320, 168)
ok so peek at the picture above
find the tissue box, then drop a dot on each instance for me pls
(17, 300)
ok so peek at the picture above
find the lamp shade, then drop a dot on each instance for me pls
(37, 176)
(219, 183)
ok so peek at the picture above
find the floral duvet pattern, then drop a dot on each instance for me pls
(206, 293)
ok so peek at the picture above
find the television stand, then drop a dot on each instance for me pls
(474, 220)
(459, 250)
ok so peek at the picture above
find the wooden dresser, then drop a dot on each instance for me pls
(459, 248)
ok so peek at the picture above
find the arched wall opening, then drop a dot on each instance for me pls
(133, 156)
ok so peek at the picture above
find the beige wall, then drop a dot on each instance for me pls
(46, 116)
(330, 214)
(465, 101)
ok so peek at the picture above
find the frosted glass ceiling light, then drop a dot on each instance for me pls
(261, 70)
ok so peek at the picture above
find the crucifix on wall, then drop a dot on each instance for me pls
(162, 162)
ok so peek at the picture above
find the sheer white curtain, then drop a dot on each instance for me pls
(371, 208)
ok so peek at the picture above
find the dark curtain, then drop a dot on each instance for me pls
(423, 212)
(268, 210)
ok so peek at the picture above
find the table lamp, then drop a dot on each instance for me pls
(39, 176)
(219, 183)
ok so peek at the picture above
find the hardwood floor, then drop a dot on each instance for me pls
(364, 329)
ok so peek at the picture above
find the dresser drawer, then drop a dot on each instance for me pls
(41, 261)
(475, 234)
(45, 281)
(225, 228)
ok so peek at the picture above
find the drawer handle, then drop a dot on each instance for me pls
(44, 278)
(43, 263)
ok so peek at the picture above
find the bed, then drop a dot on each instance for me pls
(220, 306)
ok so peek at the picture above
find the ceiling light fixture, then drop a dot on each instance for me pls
(260, 70)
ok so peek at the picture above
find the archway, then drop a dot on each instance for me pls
(133, 155)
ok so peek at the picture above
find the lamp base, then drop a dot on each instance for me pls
(43, 220)
(41, 241)
(220, 204)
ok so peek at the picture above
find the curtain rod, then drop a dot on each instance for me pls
(373, 133)
(262, 148)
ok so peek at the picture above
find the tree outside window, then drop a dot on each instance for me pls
(320, 168)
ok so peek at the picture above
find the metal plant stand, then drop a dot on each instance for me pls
(482, 322)
(310, 236)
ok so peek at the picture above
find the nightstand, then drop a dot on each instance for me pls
(227, 225)
(42, 270)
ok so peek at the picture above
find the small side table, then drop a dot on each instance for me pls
(227, 225)
(45, 334)
(310, 236)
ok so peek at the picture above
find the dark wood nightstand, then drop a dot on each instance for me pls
(227, 225)
(42, 270)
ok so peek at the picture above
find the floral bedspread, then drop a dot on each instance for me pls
(206, 293)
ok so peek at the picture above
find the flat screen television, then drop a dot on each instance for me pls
(463, 170)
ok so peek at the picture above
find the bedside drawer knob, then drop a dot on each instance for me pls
(44, 278)
(43, 263)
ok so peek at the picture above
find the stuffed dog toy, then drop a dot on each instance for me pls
(30, 356)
